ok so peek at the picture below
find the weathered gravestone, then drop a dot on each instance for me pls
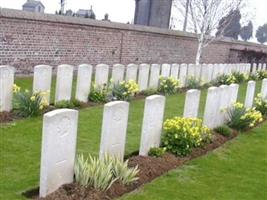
(84, 79)
(131, 72)
(143, 76)
(191, 103)
(250, 94)
(118, 73)
(154, 76)
(114, 129)
(42, 80)
(58, 149)
(64, 83)
(152, 123)
(6, 87)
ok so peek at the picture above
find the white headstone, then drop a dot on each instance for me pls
(227, 69)
(152, 123)
(154, 76)
(165, 70)
(6, 87)
(118, 73)
(64, 83)
(191, 73)
(221, 69)
(42, 80)
(212, 106)
(224, 104)
(84, 79)
(58, 149)
(206, 73)
(250, 94)
(198, 72)
(143, 76)
(114, 129)
(175, 71)
(234, 93)
(264, 89)
(183, 74)
(131, 72)
(101, 75)
(191, 103)
(259, 67)
(216, 71)
(254, 68)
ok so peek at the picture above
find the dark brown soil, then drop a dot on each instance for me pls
(7, 117)
(150, 168)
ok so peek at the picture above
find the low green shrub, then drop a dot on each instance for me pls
(102, 173)
(261, 75)
(223, 130)
(100, 94)
(242, 118)
(193, 83)
(168, 86)
(125, 90)
(27, 104)
(261, 104)
(181, 135)
(238, 77)
(253, 77)
(156, 152)
(68, 104)
(149, 92)
(224, 80)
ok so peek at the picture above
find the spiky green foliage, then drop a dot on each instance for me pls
(193, 83)
(101, 174)
(121, 171)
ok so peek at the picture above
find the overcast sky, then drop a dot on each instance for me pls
(123, 10)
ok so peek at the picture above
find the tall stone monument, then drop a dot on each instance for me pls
(153, 13)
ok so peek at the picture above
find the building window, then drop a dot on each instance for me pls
(39, 8)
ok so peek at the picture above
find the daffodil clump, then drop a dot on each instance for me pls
(125, 90)
(168, 85)
(181, 135)
(27, 104)
(241, 118)
(261, 104)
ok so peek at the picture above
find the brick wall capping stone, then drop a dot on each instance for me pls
(24, 15)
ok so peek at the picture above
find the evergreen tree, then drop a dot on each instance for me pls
(261, 34)
(229, 26)
(247, 31)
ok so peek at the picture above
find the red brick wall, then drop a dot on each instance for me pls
(28, 39)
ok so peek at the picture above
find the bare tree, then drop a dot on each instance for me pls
(204, 17)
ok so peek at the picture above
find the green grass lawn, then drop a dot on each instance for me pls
(235, 171)
(20, 141)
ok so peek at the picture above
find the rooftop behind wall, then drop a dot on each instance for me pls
(28, 39)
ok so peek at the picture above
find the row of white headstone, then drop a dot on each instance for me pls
(60, 129)
(147, 76)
